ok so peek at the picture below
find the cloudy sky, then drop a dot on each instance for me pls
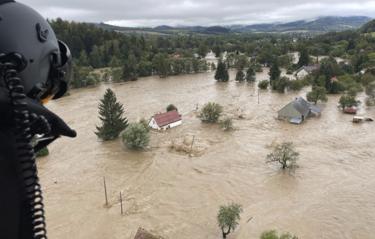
(198, 12)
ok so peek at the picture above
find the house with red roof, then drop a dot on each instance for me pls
(164, 121)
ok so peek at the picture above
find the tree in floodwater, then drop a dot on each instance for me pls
(228, 218)
(274, 72)
(136, 136)
(274, 235)
(240, 76)
(111, 115)
(221, 72)
(317, 93)
(129, 70)
(304, 58)
(284, 154)
(250, 74)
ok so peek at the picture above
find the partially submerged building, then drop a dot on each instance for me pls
(298, 110)
(163, 121)
(305, 71)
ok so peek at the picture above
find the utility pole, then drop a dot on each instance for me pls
(122, 210)
(105, 192)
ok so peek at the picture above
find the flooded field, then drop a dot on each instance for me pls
(331, 194)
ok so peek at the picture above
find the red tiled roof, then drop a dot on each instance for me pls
(167, 118)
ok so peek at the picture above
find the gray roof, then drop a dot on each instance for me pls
(309, 68)
(302, 106)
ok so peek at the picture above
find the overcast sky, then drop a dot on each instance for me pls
(198, 12)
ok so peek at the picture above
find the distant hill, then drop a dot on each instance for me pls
(323, 24)
(368, 27)
(320, 25)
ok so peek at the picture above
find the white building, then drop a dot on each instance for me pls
(305, 71)
(166, 120)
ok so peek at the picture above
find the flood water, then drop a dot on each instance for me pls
(331, 194)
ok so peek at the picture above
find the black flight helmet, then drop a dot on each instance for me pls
(48, 60)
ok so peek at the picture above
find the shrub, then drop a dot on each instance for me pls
(211, 112)
(263, 84)
(284, 154)
(226, 124)
(171, 107)
(228, 218)
(274, 235)
(296, 85)
(136, 136)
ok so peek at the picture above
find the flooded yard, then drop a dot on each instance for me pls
(331, 194)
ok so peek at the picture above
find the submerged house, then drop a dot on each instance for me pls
(305, 71)
(163, 121)
(297, 111)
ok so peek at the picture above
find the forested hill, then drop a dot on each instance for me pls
(319, 25)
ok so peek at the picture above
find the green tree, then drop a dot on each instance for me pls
(129, 70)
(211, 112)
(263, 84)
(83, 59)
(304, 58)
(202, 50)
(217, 50)
(161, 64)
(241, 61)
(221, 74)
(228, 218)
(136, 136)
(250, 74)
(348, 101)
(111, 115)
(284, 154)
(240, 76)
(274, 235)
(274, 72)
(280, 84)
(317, 93)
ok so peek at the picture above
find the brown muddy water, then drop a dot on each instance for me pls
(331, 194)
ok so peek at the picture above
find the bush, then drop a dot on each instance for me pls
(296, 85)
(211, 112)
(226, 124)
(42, 153)
(263, 84)
(274, 235)
(171, 107)
(136, 136)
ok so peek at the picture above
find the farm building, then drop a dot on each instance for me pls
(305, 71)
(166, 120)
(297, 111)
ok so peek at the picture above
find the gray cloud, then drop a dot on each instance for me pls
(198, 12)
